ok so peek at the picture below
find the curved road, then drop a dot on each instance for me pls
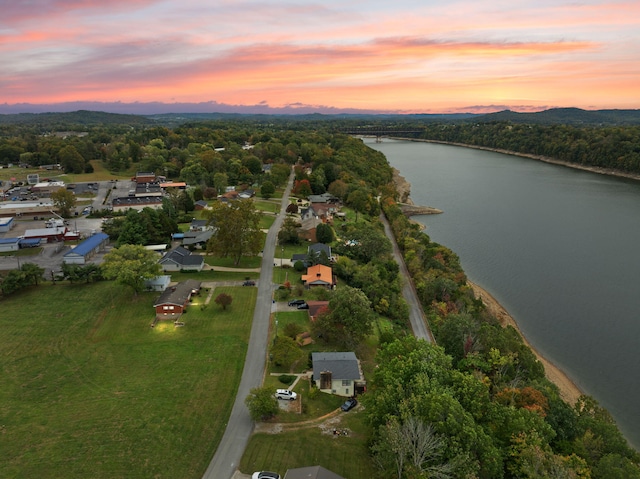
(240, 426)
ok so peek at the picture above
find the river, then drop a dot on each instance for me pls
(558, 247)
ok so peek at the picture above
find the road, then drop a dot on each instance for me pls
(240, 426)
(416, 314)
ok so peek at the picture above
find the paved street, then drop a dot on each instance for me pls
(240, 426)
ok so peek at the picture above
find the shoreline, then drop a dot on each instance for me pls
(545, 159)
(569, 391)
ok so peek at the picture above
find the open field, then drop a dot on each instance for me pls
(90, 390)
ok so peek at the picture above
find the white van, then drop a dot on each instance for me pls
(285, 394)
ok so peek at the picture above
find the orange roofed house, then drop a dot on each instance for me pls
(319, 275)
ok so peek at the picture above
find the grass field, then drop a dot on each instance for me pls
(90, 390)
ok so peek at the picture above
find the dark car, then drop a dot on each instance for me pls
(296, 302)
(249, 282)
(349, 404)
(303, 306)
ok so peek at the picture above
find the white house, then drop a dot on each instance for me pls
(338, 373)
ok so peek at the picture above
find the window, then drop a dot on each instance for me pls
(346, 382)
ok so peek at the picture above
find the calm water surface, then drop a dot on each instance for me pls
(559, 248)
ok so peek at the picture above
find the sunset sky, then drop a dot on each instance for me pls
(405, 56)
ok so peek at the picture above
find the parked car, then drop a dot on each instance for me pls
(303, 306)
(349, 404)
(296, 302)
(265, 475)
(249, 282)
(285, 394)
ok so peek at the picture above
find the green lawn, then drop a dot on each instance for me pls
(90, 390)
(310, 446)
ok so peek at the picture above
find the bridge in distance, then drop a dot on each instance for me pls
(380, 131)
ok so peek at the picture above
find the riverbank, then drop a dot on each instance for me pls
(569, 391)
(545, 159)
(408, 207)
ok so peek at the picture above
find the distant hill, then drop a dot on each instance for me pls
(80, 118)
(567, 116)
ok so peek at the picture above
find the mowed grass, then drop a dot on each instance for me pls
(311, 446)
(90, 390)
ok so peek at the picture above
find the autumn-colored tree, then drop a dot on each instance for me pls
(302, 188)
(224, 300)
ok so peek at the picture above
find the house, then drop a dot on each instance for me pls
(179, 259)
(319, 275)
(159, 283)
(85, 250)
(316, 307)
(6, 224)
(9, 244)
(200, 205)
(198, 238)
(317, 249)
(136, 203)
(312, 472)
(338, 373)
(313, 251)
(199, 225)
(326, 198)
(174, 300)
(144, 177)
(246, 194)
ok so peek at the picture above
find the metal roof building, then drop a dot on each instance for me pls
(85, 250)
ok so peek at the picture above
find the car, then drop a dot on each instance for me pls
(265, 475)
(349, 404)
(249, 282)
(296, 302)
(303, 306)
(286, 394)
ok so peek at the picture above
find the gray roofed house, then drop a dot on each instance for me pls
(180, 258)
(312, 472)
(324, 198)
(337, 373)
(174, 300)
(196, 237)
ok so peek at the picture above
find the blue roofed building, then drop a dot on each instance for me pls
(9, 244)
(87, 249)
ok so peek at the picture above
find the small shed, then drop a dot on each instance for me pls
(87, 249)
(159, 283)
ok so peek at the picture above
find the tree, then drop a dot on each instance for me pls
(262, 404)
(358, 200)
(302, 188)
(267, 190)
(64, 201)
(348, 321)
(285, 352)
(324, 233)
(14, 281)
(33, 273)
(131, 265)
(237, 230)
(413, 448)
(71, 160)
(288, 234)
(224, 300)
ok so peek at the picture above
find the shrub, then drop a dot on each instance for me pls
(286, 379)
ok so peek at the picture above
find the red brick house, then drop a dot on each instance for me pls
(174, 300)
